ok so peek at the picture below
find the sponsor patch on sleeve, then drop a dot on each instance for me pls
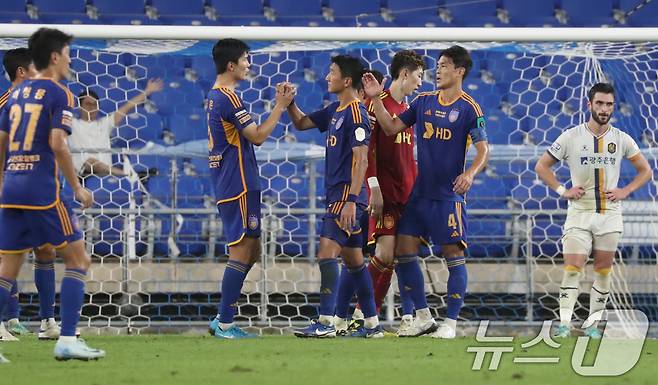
(360, 134)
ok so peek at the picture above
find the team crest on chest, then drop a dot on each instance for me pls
(253, 222)
(339, 123)
(453, 115)
(612, 148)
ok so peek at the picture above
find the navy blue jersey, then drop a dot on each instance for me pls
(347, 127)
(231, 156)
(31, 176)
(444, 131)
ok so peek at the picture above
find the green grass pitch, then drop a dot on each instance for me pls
(169, 359)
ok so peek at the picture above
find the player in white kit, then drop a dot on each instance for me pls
(593, 151)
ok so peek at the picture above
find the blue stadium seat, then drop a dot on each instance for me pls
(244, 12)
(644, 17)
(414, 13)
(307, 8)
(64, 11)
(180, 12)
(471, 14)
(524, 13)
(13, 11)
(122, 12)
(589, 13)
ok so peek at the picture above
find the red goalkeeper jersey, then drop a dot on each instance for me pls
(391, 158)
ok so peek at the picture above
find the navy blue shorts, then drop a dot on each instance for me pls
(354, 238)
(442, 222)
(22, 230)
(241, 217)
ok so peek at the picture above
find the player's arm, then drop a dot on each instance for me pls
(373, 89)
(58, 143)
(299, 119)
(464, 181)
(153, 85)
(376, 203)
(644, 174)
(257, 134)
(544, 171)
(360, 162)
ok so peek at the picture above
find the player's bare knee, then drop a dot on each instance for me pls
(10, 265)
(45, 254)
(387, 256)
(407, 245)
(452, 251)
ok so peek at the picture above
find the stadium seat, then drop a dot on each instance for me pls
(414, 13)
(122, 12)
(13, 11)
(307, 9)
(589, 13)
(181, 12)
(644, 17)
(471, 14)
(62, 10)
(524, 13)
(244, 12)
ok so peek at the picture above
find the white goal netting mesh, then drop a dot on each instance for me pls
(158, 245)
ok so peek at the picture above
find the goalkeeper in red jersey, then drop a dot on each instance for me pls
(390, 177)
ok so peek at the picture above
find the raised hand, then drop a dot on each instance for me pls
(154, 85)
(371, 86)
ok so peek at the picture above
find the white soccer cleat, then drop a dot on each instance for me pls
(5, 336)
(49, 330)
(445, 332)
(405, 324)
(419, 327)
(76, 350)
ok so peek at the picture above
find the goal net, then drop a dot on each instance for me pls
(158, 245)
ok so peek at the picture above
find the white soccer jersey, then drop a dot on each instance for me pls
(594, 163)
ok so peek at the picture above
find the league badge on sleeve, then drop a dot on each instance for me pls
(612, 148)
(360, 134)
(253, 222)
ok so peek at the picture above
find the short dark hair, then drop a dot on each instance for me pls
(44, 42)
(15, 58)
(86, 93)
(460, 57)
(227, 51)
(605, 88)
(408, 59)
(350, 67)
(378, 75)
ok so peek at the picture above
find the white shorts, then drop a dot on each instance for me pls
(586, 230)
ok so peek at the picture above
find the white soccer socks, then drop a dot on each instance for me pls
(569, 292)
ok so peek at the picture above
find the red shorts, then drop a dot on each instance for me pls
(389, 223)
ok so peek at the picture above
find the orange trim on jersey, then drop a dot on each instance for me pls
(69, 95)
(4, 98)
(231, 133)
(243, 210)
(48, 244)
(357, 113)
(15, 251)
(235, 101)
(341, 108)
(232, 198)
(64, 217)
(441, 102)
(473, 103)
(238, 241)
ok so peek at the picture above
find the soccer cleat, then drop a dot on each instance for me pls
(76, 350)
(405, 324)
(212, 327)
(5, 336)
(562, 331)
(364, 332)
(233, 333)
(445, 332)
(17, 329)
(49, 330)
(355, 324)
(316, 330)
(593, 332)
(418, 328)
(3, 360)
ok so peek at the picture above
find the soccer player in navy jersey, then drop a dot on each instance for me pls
(447, 122)
(33, 133)
(348, 131)
(18, 65)
(232, 135)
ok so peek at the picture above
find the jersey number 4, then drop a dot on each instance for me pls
(16, 115)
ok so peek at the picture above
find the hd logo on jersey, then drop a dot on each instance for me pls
(612, 148)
